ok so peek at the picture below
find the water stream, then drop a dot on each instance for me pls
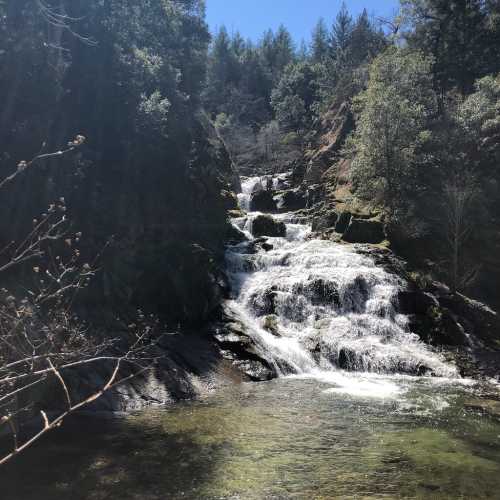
(320, 309)
(362, 408)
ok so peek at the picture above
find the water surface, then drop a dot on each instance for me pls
(292, 438)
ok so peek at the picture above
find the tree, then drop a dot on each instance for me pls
(365, 42)
(284, 49)
(42, 341)
(459, 196)
(222, 72)
(341, 35)
(320, 44)
(392, 119)
(459, 35)
(295, 95)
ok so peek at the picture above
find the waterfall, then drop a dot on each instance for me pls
(315, 306)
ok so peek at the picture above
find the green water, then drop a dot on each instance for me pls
(286, 439)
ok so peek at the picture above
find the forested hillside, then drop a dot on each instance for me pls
(393, 117)
(127, 76)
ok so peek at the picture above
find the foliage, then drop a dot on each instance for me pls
(295, 95)
(392, 125)
(461, 35)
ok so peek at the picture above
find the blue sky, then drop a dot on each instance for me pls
(252, 17)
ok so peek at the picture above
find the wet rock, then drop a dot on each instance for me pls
(489, 407)
(315, 194)
(320, 291)
(235, 235)
(346, 359)
(261, 243)
(415, 302)
(265, 225)
(234, 338)
(292, 200)
(364, 231)
(439, 326)
(255, 370)
(263, 303)
(236, 214)
(263, 201)
(324, 221)
(484, 322)
(270, 323)
(343, 221)
(229, 200)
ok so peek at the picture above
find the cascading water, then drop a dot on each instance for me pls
(317, 307)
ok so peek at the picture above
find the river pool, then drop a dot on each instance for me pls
(291, 438)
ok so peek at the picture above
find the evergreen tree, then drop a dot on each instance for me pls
(284, 49)
(320, 45)
(459, 35)
(222, 69)
(365, 41)
(294, 97)
(341, 35)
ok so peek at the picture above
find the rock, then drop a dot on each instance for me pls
(267, 247)
(255, 370)
(415, 302)
(270, 323)
(236, 214)
(484, 322)
(324, 221)
(343, 221)
(439, 326)
(364, 231)
(265, 225)
(315, 194)
(263, 303)
(489, 407)
(292, 200)
(320, 292)
(235, 235)
(263, 201)
(229, 200)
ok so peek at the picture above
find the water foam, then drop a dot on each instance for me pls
(333, 310)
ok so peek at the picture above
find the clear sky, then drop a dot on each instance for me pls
(253, 17)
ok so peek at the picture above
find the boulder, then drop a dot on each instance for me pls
(229, 200)
(263, 303)
(489, 407)
(255, 370)
(344, 218)
(292, 200)
(267, 247)
(265, 225)
(484, 322)
(270, 323)
(320, 291)
(315, 194)
(364, 231)
(324, 221)
(263, 201)
(234, 235)
(416, 302)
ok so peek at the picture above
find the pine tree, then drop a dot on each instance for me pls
(320, 46)
(457, 34)
(365, 42)
(341, 34)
